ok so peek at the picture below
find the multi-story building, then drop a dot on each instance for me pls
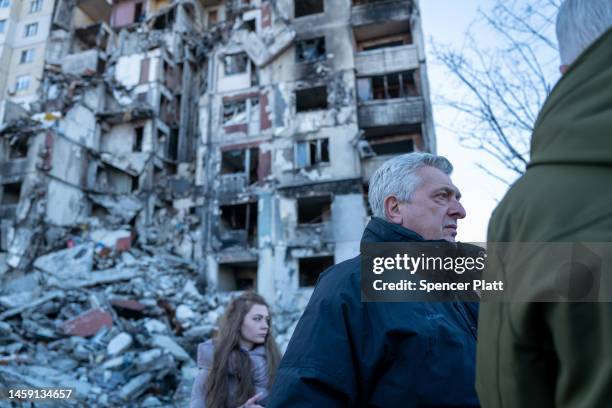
(24, 29)
(240, 133)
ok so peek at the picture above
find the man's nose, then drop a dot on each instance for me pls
(456, 210)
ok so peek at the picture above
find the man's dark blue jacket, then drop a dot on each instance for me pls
(345, 353)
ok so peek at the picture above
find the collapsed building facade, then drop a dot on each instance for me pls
(230, 140)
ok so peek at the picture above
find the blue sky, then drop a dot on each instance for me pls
(445, 22)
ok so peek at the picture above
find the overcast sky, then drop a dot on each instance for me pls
(445, 22)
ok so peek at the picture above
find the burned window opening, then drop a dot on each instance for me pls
(237, 276)
(235, 64)
(307, 7)
(311, 50)
(311, 153)
(314, 209)
(389, 86)
(380, 33)
(311, 99)
(11, 193)
(311, 268)
(245, 161)
(138, 137)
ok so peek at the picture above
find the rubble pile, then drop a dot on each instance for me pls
(115, 319)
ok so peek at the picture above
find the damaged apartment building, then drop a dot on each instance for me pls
(237, 135)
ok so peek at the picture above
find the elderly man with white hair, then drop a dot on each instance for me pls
(349, 353)
(558, 354)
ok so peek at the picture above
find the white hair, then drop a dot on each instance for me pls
(398, 177)
(579, 24)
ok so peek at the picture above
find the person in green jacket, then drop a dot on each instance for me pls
(534, 353)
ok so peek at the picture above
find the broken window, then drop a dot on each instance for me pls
(250, 25)
(11, 193)
(235, 63)
(311, 152)
(389, 86)
(138, 137)
(314, 209)
(173, 144)
(379, 35)
(244, 161)
(135, 183)
(311, 50)
(307, 7)
(240, 111)
(393, 139)
(237, 276)
(311, 99)
(19, 149)
(165, 20)
(239, 223)
(139, 12)
(311, 268)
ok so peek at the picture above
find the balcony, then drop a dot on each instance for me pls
(309, 235)
(13, 167)
(403, 58)
(383, 11)
(232, 183)
(391, 112)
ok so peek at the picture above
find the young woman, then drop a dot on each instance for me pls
(239, 364)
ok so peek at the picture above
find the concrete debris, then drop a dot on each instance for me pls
(119, 344)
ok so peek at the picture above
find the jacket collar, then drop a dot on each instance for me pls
(379, 230)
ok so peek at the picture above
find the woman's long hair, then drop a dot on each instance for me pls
(230, 359)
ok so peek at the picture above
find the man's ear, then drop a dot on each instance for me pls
(391, 206)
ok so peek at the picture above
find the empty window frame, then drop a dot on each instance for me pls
(240, 111)
(311, 99)
(138, 138)
(19, 149)
(314, 209)
(139, 12)
(239, 217)
(241, 161)
(235, 64)
(35, 6)
(311, 50)
(389, 86)
(30, 30)
(11, 193)
(307, 7)
(27, 56)
(311, 268)
(392, 140)
(237, 276)
(311, 153)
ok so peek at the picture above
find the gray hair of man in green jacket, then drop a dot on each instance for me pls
(579, 24)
